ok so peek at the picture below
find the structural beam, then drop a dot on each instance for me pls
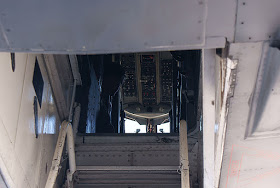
(208, 101)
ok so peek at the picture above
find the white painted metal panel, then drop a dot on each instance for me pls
(11, 91)
(25, 160)
(248, 163)
(221, 19)
(26, 141)
(25, 138)
(226, 93)
(208, 98)
(102, 26)
(2, 181)
(48, 135)
(257, 20)
(265, 98)
(9, 161)
(10, 99)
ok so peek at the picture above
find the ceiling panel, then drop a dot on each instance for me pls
(103, 26)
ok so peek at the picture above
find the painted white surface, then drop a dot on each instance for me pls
(248, 163)
(222, 114)
(257, 20)
(11, 84)
(221, 19)
(208, 101)
(25, 159)
(265, 98)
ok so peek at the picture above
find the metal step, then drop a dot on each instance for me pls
(127, 161)
(128, 178)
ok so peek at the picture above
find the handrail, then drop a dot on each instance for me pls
(65, 130)
(184, 156)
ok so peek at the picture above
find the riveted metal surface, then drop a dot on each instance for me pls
(103, 156)
(103, 26)
(126, 147)
(127, 186)
(128, 178)
(127, 138)
(157, 158)
(127, 155)
(257, 20)
(222, 18)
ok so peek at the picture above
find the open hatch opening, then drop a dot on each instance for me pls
(138, 92)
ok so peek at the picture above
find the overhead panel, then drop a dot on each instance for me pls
(102, 26)
(221, 18)
(257, 20)
(3, 43)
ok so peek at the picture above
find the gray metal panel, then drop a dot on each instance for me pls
(4, 44)
(126, 147)
(257, 20)
(221, 18)
(127, 168)
(127, 138)
(126, 186)
(128, 155)
(106, 158)
(102, 26)
(128, 178)
(134, 152)
(160, 158)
